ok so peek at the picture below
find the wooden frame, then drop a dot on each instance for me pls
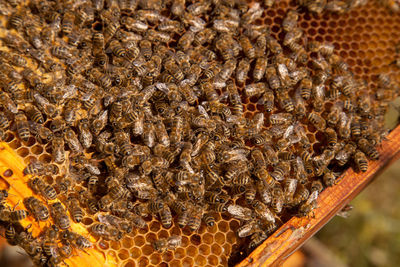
(290, 236)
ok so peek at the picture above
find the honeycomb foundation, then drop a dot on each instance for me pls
(364, 37)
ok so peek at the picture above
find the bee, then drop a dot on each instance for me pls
(121, 224)
(345, 154)
(74, 208)
(344, 127)
(273, 79)
(309, 205)
(285, 101)
(45, 106)
(290, 40)
(4, 122)
(257, 238)
(164, 244)
(317, 120)
(38, 186)
(40, 131)
(259, 68)
(318, 93)
(106, 231)
(247, 47)
(280, 170)
(72, 141)
(329, 178)
(255, 89)
(368, 149)
(22, 126)
(16, 19)
(239, 212)
(242, 70)
(166, 217)
(331, 137)
(59, 215)
(76, 239)
(277, 199)
(273, 45)
(176, 130)
(326, 49)
(36, 208)
(290, 21)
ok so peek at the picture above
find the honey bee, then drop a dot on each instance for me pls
(22, 126)
(239, 212)
(59, 215)
(368, 149)
(329, 178)
(344, 127)
(242, 70)
(259, 68)
(176, 130)
(108, 232)
(47, 191)
(36, 208)
(257, 238)
(290, 21)
(273, 45)
(76, 239)
(72, 141)
(280, 170)
(74, 208)
(309, 205)
(255, 89)
(170, 243)
(281, 118)
(40, 131)
(186, 40)
(331, 137)
(45, 106)
(317, 120)
(345, 154)
(291, 38)
(121, 224)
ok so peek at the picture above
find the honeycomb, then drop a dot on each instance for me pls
(365, 37)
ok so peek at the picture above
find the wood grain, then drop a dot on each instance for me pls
(289, 237)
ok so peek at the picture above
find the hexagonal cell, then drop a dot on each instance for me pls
(155, 258)
(187, 262)
(191, 251)
(176, 263)
(23, 151)
(37, 149)
(135, 252)
(200, 260)
(139, 240)
(216, 249)
(195, 239)
(123, 254)
(147, 249)
(167, 256)
(115, 245)
(219, 238)
(179, 253)
(204, 249)
(129, 263)
(143, 262)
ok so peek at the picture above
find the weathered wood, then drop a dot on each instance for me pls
(289, 237)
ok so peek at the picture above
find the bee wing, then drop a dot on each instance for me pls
(203, 111)
(313, 197)
(289, 131)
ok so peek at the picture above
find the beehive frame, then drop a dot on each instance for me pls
(368, 56)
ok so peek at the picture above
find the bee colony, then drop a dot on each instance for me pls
(184, 133)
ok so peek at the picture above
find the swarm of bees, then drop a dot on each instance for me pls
(141, 106)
